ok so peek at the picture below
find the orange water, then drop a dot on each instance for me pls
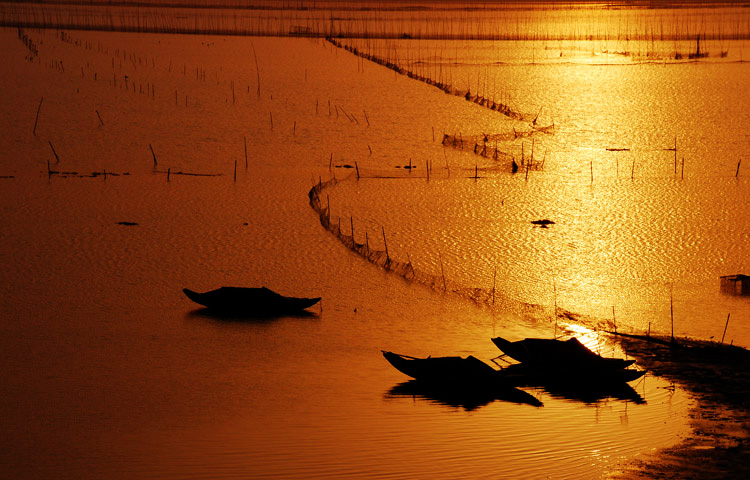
(111, 372)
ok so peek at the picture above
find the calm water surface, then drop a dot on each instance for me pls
(111, 372)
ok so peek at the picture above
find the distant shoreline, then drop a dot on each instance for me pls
(441, 20)
(391, 5)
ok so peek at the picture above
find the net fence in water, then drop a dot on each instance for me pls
(487, 296)
(445, 87)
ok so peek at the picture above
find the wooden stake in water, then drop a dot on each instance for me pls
(442, 271)
(235, 169)
(671, 312)
(244, 139)
(100, 118)
(53, 151)
(737, 174)
(356, 167)
(725, 328)
(554, 290)
(257, 69)
(152, 154)
(39, 108)
(413, 273)
(614, 320)
(385, 242)
(494, 279)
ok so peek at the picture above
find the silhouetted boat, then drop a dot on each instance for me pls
(569, 369)
(554, 354)
(250, 301)
(464, 380)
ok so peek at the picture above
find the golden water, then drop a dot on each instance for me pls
(109, 371)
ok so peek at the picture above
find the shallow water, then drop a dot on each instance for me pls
(111, 372)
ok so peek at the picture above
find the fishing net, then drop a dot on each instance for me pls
(445, 87)
(487, 296)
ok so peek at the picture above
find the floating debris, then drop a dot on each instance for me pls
(128, 224)
(543, 223)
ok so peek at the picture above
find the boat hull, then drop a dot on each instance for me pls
(464, 381)
(249, 301)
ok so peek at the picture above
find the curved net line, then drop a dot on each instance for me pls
(488, 297)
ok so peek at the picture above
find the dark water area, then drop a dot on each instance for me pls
(210, 146)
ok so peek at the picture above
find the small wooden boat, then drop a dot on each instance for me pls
(552, 353)
(464, 380)
(250, 301)
(442, 369)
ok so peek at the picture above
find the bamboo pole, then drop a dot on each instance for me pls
(100, 118)
(725, 328)
(614, 319)
(153, 154)
(36, 120)
(53, 151)
(737, 174)
(413, 273)
(442, 271)
(671, 312)
(494, 279)
(385, 242)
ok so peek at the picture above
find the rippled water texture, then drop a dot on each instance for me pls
(186, 161)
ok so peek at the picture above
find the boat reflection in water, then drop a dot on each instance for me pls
(567, 368)
(239, 317)
(468, 399)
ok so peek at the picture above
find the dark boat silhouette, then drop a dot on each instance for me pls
(567, 368)
(459, 380)
(551, 353)
(250, 301)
